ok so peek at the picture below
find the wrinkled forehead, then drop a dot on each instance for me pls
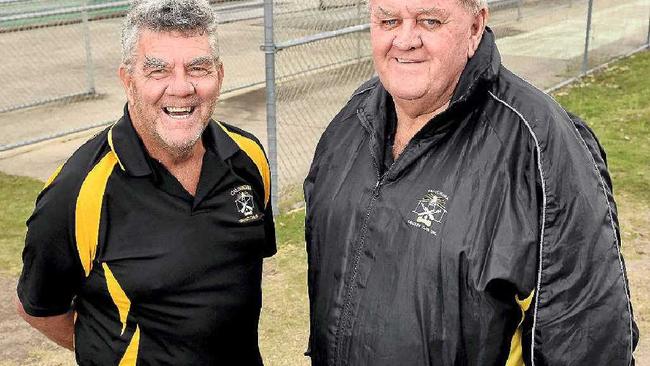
(173, 45)
(171, 40)
(412, 6)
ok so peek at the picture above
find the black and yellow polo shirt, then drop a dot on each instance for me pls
(155, 275)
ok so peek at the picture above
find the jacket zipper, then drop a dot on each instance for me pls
(347, 311)
(347, 304)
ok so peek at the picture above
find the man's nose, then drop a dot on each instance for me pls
(408, 37)
(181, 85)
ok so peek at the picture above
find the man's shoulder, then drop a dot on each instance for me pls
(527, 106)
(525, 99)
(74, 170)
(238, 133)
(356, 101)
(519, 109)
(64, 185)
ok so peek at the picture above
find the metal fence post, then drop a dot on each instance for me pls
(647, 42)
(90, 67)
(585, 59)
(360, 35)
(271, 123)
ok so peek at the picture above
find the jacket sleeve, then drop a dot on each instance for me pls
(582, 314)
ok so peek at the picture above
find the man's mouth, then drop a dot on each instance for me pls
(179, 112)
(406, 61)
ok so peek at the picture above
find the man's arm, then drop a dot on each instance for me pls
(58, 328)
(582, 313)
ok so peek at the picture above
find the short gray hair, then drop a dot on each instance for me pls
(189, 17)
(474, 5)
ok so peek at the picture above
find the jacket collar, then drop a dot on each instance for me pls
(481, 69)
(133, 157)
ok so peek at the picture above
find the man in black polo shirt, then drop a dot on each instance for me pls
(146, 246)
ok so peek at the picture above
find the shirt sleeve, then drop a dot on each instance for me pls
(52, 271)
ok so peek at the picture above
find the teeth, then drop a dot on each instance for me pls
(178, 109)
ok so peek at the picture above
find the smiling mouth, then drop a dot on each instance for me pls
(405, 61)
(179, 112)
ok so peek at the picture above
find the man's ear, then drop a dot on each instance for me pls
(220, 74)
(126, 78)
(478, 26)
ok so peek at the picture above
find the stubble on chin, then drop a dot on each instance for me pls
(150, 126)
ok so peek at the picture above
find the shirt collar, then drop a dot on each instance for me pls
(134, 159)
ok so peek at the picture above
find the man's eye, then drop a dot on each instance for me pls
(430, 23)
(389, 23)
(199, 71)
(157, 73)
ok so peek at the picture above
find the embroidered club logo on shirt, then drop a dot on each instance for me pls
(245, 203)
(430, 212)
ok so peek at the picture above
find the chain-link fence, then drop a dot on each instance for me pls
(323, 55)
(62, 57)
(317, 53)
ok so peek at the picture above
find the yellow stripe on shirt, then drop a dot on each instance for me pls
(89, 209)
(110, 143)
(118, 295)
(131, 355)
(255, 152)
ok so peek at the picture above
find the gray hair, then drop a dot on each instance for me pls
(189, 17)
(474, 5)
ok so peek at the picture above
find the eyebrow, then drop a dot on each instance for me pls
(384, 12)
(154, 63)
(432, 11)
(421, 11)
(201, 60)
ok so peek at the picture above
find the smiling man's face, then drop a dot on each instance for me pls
(420, 47)
(172, 89)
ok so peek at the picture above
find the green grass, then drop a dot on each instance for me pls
(17, 197)
(284, 324)
(616, 104)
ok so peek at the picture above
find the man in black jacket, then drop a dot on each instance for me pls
(456, 215)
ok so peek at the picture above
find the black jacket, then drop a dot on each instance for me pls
(493, 239)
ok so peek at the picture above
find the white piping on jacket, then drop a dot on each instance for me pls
(541, 241)
(611, 219)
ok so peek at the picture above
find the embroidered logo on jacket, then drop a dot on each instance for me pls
(430, 212)
(245, 203)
